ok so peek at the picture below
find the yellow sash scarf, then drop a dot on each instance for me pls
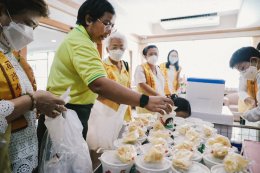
(9, 81)
(252, 89)
(11, 88)
(167, 90)
(149, 76)
(111, 72)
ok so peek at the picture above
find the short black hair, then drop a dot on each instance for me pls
(95, 9)
(182, 104)
(258, 46)
(145, 50)
(16, 7)
(243, 55)
(176, 65)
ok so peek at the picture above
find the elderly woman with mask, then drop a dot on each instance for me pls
(18, 95)
(171, 72)
(247, 61)
(116, 68)
(148, 77)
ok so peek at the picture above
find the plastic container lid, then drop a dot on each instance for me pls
(206, 80)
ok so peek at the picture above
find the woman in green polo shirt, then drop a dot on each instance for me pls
(77, 64)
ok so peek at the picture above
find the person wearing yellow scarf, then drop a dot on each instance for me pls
(18, 95)
(148, 76)
(116, 68)
(171, 72)
(247, 61)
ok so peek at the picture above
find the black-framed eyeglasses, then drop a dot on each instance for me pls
(108, 26)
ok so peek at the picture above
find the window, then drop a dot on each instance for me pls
(206, 58)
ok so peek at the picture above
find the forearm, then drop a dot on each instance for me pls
(115, 92)
(147, 89)
(253, 115)
(21, 106)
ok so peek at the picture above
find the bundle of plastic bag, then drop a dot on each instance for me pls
(64, 148)
(104, 125)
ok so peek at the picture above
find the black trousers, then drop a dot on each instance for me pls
(83, 112)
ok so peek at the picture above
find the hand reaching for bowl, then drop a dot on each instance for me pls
(159, 104)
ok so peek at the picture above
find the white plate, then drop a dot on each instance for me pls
(195, 168)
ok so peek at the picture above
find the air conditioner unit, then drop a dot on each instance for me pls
(202, 20)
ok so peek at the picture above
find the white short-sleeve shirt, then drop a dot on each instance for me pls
(139, 77)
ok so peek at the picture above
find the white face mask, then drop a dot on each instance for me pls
(116, 55)
(250, 73)
(152, 59)
(173, 60)
(18, 35)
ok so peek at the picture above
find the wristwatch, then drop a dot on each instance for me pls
(144, 99)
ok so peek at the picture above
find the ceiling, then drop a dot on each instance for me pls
(142, 17)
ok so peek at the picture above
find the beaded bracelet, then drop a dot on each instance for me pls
(33, 101)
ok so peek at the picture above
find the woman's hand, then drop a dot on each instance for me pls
(48, 103)
(159, 104)
(250, 102)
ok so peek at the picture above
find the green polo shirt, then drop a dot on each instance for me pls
(77, 63)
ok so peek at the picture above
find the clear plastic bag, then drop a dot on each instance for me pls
(64, 149)
(104, 125)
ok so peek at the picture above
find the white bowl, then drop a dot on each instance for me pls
(146, 147)
(194, 120)
(195, 168)
(119, 142)
(220, 169)
(178, 120)
(210, 161)
(197, 156)
(111, 163)
(143, 167)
